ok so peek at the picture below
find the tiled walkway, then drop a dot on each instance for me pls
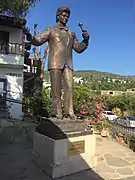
(114, 162)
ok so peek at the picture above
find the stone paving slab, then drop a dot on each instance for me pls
(16, 164)
(114, 162)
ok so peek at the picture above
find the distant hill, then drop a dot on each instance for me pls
(93, 74)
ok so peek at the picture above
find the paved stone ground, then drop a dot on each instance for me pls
(114, 161)
(15, 156)
(16, 164)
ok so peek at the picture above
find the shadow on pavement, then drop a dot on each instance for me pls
(16, 159)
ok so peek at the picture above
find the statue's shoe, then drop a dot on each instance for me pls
(59, 116)
(73, 116)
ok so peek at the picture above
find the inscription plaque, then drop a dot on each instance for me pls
(76, 147)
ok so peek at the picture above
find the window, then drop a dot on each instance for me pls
(3, 89)
(109, 113)
(4, 41)
(132, 118)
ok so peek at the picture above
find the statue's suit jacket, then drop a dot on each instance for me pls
(60, 47)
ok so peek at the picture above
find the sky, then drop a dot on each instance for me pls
(110, 23)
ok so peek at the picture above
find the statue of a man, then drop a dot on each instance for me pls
(61, 41)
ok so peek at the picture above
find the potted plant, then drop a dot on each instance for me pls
(98, 126)
(106, 126)
(103, 127)
(120, 137)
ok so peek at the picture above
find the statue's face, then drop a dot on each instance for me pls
(63, 18)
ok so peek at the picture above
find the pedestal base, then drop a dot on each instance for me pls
(69, 153)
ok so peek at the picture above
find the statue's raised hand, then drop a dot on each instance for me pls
(85, 35)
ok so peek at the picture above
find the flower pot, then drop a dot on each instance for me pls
(104, 132)
(121, 139)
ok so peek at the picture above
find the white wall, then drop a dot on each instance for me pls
(15, 34)
(11, 59)
(15, 86)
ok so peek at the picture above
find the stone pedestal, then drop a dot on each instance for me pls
(60, 151)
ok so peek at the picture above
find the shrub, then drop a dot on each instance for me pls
(117, 111)
(40, 104)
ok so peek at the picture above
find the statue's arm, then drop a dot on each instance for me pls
(40, 38)
(79, 47)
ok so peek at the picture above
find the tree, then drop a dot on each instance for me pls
(123, 102)
(85, 100)
(99, 106)
(35, 83)
(16, 8)
(82, 98)
(40, 59)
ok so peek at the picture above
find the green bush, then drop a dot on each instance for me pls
(117, 111)
(40, 104)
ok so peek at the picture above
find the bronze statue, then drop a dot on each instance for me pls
(61, 41)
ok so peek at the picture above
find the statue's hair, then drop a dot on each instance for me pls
(60, 10)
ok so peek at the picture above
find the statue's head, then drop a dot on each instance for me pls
(62, 15)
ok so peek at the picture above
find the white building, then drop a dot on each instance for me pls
(11, 64)
(46, 84)
(78, 80)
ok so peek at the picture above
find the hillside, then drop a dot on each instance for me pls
(100, 74)
(97, 80)
(93, 74)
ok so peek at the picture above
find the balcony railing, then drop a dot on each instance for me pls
(11, 48)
